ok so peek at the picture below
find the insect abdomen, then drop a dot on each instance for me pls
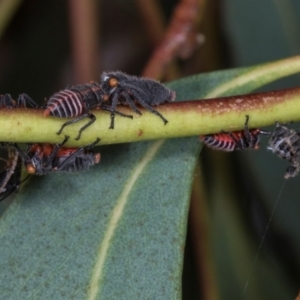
(219, 142)
(81, 163)
(65, 104)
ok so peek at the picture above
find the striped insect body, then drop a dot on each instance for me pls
(77, 101)
(235, 140)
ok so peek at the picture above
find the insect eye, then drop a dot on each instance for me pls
(113, 82)
(31, 169)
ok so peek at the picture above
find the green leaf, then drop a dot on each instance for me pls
(118, 230)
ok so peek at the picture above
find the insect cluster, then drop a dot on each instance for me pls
(114, 89)
(283, 141)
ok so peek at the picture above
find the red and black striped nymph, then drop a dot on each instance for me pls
(77, 101)
(235, 140)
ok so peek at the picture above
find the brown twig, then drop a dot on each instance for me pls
(180, 39)
(84, 17)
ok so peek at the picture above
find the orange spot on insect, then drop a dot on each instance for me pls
(140, 132)
(113, 82)
(31, 169)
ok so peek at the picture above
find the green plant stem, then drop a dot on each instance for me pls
(189, 118)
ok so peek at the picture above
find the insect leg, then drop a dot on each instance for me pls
(108, 108)
(89, 115)
(69, 159)
(55, 150)
(147, 106)
(21, 152)
(114, 102)
(23, 99)
(6, 101)
(92, 145)
(239, 143)
(131, 103)
(92, 120)
(75, 154)
(251, 137)
(113, 111)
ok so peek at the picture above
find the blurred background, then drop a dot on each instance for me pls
(46, 45)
